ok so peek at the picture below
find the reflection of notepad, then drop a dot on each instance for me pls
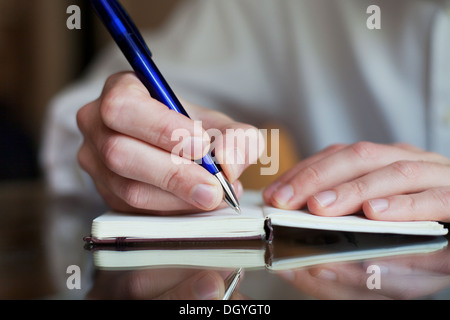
(255, 222)
(312, 247)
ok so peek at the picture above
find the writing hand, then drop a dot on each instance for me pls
(128, 151)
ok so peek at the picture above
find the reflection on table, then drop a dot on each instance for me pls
(41, 237)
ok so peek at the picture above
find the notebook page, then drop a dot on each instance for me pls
(351, 223)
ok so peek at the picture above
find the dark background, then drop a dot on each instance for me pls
(39, 56)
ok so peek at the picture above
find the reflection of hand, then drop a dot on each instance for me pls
(130, 152)
(388, 182)
(162, 284)
(400, 278)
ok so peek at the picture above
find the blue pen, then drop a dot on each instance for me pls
(133, 46)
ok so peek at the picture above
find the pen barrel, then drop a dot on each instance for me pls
(157, 86)
(149, 74)
(133, 46)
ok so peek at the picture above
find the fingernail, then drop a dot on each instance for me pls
(205, 195)
(379, 205)
(325, 198)
(284, 195)
(206, 288)
(272, 188)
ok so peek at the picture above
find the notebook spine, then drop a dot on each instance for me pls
(269, 230)
(122, 241)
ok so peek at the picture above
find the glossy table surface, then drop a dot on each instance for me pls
(43, 256)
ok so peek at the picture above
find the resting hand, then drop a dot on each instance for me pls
(387, 182)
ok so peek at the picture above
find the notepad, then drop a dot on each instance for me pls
(256, 222)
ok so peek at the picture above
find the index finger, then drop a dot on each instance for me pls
(342, 166)
(127, 107)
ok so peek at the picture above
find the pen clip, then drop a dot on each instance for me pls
(231, 283)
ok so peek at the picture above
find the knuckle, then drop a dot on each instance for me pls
(358, 187)
(312, 175)
(411, 203)
(82, 158)
(111, 105)
(118, 79)
(118, 90)
(172, 178)
(164, 133)
(83, 117)
(113, 154)
(334, 147)
(112, 80)
(133, 195)
(365, 150)
(80, 118)
(407, 169)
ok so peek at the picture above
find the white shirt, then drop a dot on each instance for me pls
(311, 65)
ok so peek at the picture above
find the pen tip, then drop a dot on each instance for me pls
(229, 195)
